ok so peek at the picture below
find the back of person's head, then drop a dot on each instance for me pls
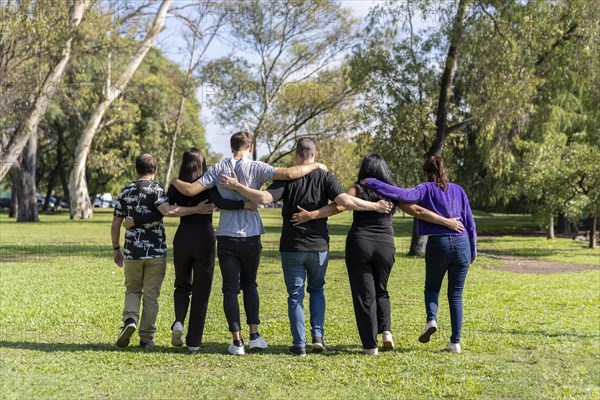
(193, 165)
(306, 148)
(145, 165)
(436, 172)
(241, 141)
(373, 166)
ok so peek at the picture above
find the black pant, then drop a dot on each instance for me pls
(194, 254)
(369, 264)
(239, 259)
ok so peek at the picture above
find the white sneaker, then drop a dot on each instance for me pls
(453, 347)
(236, 350)
(193, 349)
(177, 334)
(371, 352)
(388, 341)
(429, 330)
(258, 343)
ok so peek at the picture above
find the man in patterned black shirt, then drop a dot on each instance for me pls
(144, 254)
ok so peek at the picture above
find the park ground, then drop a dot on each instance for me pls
(531, 329)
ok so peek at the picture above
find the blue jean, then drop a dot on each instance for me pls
(452, 254)
(298, 268)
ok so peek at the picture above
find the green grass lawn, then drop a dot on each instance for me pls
(525, 336)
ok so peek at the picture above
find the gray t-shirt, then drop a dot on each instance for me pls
(254, 174)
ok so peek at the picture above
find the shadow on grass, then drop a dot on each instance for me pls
(205, 348)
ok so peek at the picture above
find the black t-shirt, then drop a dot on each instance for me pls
(310, 192)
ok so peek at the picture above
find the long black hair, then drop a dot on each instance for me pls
(193, 165)
(373, 166)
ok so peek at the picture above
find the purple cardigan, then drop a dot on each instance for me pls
(452, 202)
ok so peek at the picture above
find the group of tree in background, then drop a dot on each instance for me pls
(507, 91)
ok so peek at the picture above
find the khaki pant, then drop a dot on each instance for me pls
(143, 279)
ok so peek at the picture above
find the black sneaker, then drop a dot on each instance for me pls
(297, 351)
(126, 332)
(317, 345)
(147, 345)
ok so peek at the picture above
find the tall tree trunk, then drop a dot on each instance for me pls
(28, 209)
(551, 227)
(562, 225)
(50, 189)
(441, 122)
(174, 140)
(418, 243)
(10, 153)
(15, 176)
(594, 222)
(60, 163)
(80, 205)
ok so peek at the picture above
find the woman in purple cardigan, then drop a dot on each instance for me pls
(447, 250)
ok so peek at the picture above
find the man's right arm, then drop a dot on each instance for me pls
(297, 171)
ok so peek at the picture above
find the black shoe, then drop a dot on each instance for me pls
(297, 351)
(318, 345)
(147, 345)
(126, 332)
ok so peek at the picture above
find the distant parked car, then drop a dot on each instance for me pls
(4, 201)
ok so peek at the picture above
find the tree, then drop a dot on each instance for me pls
(81, 207)
(27, 128)
(199, 36)
(289, 51)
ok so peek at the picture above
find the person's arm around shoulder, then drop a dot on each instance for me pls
(206, 181)
(187, 188)
(258, 196)
(356, 204)
(297, 171)
(426, 215)
(411, 195)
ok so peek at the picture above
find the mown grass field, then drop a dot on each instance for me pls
(526, 336)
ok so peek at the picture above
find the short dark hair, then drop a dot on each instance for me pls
(145, 164)
(241, 140)
(306, 148)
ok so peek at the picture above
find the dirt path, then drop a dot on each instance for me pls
(527, 265)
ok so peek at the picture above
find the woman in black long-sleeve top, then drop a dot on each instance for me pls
(193, 248)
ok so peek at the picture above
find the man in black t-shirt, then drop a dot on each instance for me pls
(305, 248)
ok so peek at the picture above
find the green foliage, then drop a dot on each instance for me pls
(285, 82)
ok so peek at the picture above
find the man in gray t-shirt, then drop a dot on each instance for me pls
(238, 233)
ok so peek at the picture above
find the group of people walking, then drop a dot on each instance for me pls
(310, 194)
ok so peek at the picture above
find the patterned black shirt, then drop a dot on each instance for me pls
(136, 199)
